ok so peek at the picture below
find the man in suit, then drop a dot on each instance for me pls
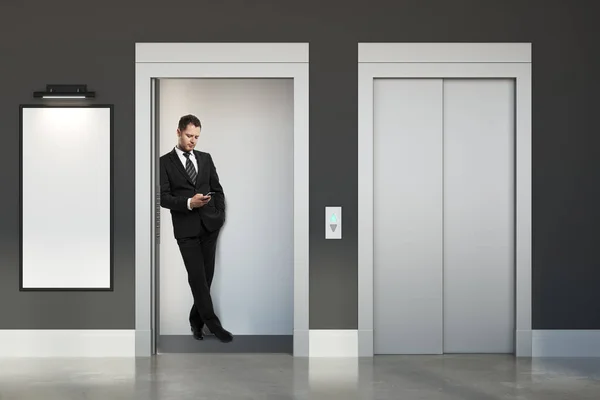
(186, 177)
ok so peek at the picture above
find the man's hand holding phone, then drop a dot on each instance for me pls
(200, 200)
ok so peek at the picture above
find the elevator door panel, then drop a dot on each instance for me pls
(479, 216)
(443, 216)
(407, 200)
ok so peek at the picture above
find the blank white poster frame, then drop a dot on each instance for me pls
(65, 240)
(446, 60)
(214, 60)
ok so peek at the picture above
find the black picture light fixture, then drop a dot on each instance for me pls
(65, 92)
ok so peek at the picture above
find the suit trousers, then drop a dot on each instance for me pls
(198, 253)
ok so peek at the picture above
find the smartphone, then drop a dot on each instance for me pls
(209, 193)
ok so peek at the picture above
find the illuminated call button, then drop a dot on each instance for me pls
(333, 221)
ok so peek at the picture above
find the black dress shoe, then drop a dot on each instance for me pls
(198, 335)
(223, 335)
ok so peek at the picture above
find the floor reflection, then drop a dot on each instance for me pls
(336, 378)
(283, 377)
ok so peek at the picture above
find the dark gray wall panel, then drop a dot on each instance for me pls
(72, 42)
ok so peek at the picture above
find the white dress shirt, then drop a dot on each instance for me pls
(184, 162)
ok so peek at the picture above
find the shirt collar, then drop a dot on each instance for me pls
(180, 152)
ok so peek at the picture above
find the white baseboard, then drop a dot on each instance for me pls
(566, 343)
(536, 343)
(67, 343)
(333, 343)
(321, 343)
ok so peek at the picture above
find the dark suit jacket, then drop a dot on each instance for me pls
(176, 187)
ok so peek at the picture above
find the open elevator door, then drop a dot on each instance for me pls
(247, 127)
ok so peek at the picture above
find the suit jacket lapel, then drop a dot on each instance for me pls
(177, 161)
(198, 161)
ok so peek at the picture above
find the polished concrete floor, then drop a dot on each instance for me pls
(281, 377)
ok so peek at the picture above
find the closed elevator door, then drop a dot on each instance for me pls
(443, 216)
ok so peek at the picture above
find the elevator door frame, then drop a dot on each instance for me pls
(212, 60)
(445, 61)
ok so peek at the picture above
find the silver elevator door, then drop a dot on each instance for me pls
(443, 216)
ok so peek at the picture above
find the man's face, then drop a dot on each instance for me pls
(188, 138)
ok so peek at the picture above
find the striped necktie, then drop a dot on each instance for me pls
(189, 167)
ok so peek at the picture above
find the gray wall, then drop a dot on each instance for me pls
(81, 42)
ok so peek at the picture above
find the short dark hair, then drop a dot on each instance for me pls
(188, 119)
